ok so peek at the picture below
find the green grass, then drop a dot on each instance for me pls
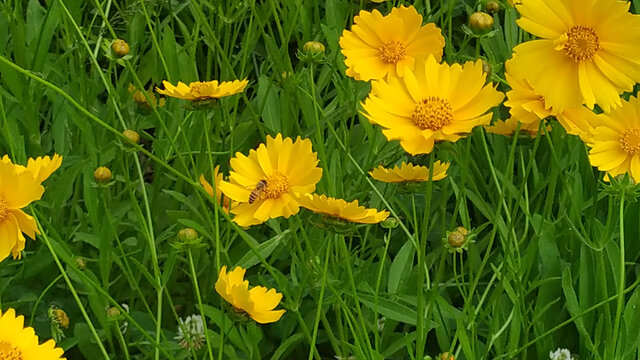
(545, 269)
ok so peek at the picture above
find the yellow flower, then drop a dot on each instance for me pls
(258, 303)
(433, 103)
(525, 104)
(209, 189)
(378, 45)
(615, 142)
(199, 90)
(339, 208)
(21, 343)
(508, 127)
(17, 190)
(409, 172)
(267, 182)
(579, 121)
(587, 52)
(41, 167)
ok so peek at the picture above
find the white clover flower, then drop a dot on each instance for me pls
(191, 332)
(560, 354)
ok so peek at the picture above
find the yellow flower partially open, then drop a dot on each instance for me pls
(41, 167)
(265, 184)
(341, 209)
(200, 90)
(586, 52)
(378, 45)
(209, 189)
(615, 142)
(409, 172)
(258, 302)
(433, 103)
(18, 342)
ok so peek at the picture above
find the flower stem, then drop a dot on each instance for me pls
(200, 307)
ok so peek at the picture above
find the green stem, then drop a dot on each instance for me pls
(200, 307)
(621, 282)
(319, 306)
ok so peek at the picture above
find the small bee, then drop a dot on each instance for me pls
(257, 191)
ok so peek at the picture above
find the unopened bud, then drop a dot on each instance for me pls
(492, 7)
(120, 47)
(133, 136)
(60, 317)
(458, 237)
(81, 262)
(390, 223)
(113, 312)
(481, 21)
(313, 48)
(102, 175)
(187, 235)
(447, 356)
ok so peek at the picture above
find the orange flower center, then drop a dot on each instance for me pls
(198, 88)
(581, 43)
(9, 352)
(432, 113)
(277, 185)
(392, 52)
(3, 213)
(630, 141)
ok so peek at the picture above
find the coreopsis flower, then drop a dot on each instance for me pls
(434, 102)
(209, 189)
(17, 190)
(587, 51)
(203, 90)
(191, 333)
(409, 172)
(525, 104)
(266, 183)
(377, 46)
(18, 342)
(509, 126)
(40, 168)
(615, 142)
(258, 302)
(339, 208)
(579, 121)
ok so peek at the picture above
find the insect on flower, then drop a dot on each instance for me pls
(257, 191)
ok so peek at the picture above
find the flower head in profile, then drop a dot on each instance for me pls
(19, 187)
(615, 141)
(586, 52)
(203, 90)
(18, 342)
(434, 102)
(257, 302)
(209, 189)
(266, 183)
(410, 173)
(509, 126)
(40, 168)
(579, 121)
(526, 105)
(377, 46)
(338, 208)
(191, 333)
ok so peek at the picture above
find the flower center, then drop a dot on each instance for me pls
(9, 352)
(579, 43)
(630, 141)
(432, 113)
(392, 52)
(197, 88)
(277, 185)
(3, 214)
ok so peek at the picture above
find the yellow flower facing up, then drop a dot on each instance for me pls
(615, 142)
(410, 173)
(258, 302)
(378, 45)
(509, 126)
(341, 209)
(199, 90)
(21, 343)
(265, 184)
(18, 188)
(209, 189)
(433, 103)
(587, 52)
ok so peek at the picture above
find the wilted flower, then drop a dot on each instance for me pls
(560, 354)
(191, 333)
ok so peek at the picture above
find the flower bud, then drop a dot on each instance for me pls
(390, 223)
(492, 7)
(120, 47)
(481, 21)
(313, 48)
(133, 136)
(187, 235)
(487, 69)
(458, 237)
(113, 312)
(447, 356)
(60, 318)
(102, 175)
(81, 262)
